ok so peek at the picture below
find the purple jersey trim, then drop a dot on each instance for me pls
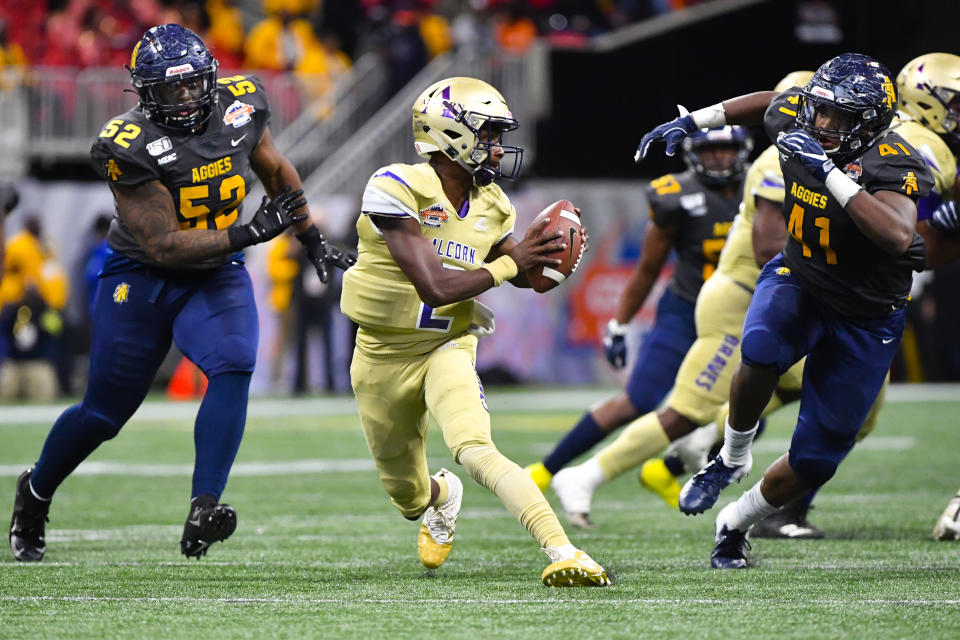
(391, 174)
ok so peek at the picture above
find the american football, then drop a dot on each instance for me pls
(563, 217)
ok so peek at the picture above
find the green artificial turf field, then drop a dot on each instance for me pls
(320, 552)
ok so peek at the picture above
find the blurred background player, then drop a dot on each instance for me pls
(836, 294)
(702, 382)
(416, 346)
(178, 165)
(690, 214)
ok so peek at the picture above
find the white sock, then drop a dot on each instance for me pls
(736, 445)
(749, 508)
(563, 552)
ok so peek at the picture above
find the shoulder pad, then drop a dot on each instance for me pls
(665, 185)
(123, 150)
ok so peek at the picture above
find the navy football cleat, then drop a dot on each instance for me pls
(28, 524)
(702, 490)
(207, 522)
(730, 549)
(789, 522)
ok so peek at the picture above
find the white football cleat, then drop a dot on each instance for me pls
(948, 526)
(572, 568)
(435, 538)
(575, 486)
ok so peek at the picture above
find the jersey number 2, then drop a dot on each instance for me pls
(233, 189)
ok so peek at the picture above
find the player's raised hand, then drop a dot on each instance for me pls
(672, 133)
(531, 251)
(271, 219)
(801, 145)
(946, 218)
(322, 254)
(615, 344)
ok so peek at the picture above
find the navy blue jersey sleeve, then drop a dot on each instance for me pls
(665, 209)
(891, 164)
(244, 100)
(119, 154)
(782, 113)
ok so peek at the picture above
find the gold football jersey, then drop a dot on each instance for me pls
(935, 151)
(764, 180)
(376, 293)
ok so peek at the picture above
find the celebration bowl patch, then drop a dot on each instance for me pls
(238, 114)
(433, 216)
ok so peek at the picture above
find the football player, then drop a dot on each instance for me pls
(690, 214)
(179, 165)
(835, 294)
(432, 237)
(930, 101)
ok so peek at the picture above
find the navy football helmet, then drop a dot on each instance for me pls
(734, 136)
(860, 88)
(175, 76)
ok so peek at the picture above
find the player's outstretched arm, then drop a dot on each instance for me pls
(436, 286)
(746, 110)
(147, 211)
(277, 173)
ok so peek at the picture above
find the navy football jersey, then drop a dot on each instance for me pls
(825, 248)
(207, 173)
(701, 217)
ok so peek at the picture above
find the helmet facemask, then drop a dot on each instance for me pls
(487, 133)
(863, 126)
(733, 137)
(180, 101)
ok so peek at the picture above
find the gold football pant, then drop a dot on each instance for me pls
(396, 395)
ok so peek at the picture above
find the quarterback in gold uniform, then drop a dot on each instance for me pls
(433, 236)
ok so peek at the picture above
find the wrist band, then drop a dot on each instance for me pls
(842, 187)
(709, 117)
(503, 268)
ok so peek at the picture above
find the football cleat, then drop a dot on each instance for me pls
(948, 526)
(575, 495)
(541, 477)
(656, 477)
(702, 490)
(730, 549)
(207, 522)
(436, 531)
(789, 522)
(575, 570)
(28, 523)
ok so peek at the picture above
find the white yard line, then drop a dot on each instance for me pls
(563, 602)
(522, 401)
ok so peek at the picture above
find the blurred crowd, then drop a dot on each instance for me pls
(310, 36)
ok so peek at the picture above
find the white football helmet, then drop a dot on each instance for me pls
(450, 116)
(927, 86)
(793, 79)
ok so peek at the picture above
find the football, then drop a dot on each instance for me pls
(563, 217)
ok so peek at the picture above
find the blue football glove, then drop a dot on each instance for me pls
(946, 219)
(615, 344)
(672, 133)
(799, 144)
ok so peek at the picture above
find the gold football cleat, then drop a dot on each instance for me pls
(656, 477)
(435, 539)
(541, 477)
(579, 570)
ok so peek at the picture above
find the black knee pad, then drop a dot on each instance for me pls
(813, 472)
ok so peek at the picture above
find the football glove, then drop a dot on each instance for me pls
(672, 133)
(945, 218)
(322, 254)
(270, 220)
(615, 344)
(797, 143)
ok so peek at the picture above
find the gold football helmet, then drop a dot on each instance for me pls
(794, 79)
(463, 118)
(928, 85)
